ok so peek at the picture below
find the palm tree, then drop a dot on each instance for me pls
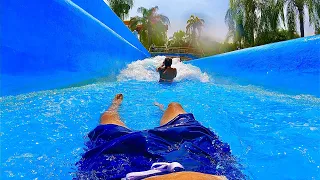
(271, 18)
(194, 28)
(257, 22)
(296, 7)
(242, 20)
(250, 18)
(153, 26)
(272, 14)
(234, 19)
(121, 7)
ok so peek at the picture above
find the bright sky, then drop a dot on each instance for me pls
(179, 11)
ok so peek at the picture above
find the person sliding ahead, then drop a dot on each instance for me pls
(167, 73)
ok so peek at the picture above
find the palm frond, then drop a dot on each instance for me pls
(164, 19)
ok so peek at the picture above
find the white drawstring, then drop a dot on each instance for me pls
(155, 168)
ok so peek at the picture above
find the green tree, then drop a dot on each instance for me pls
(121, 7)
(297, 7)
(179, 39)
(194, 28)
(234, 19)
(249, 20)
(154, 26)
(272, 14)
(274, 36)
(271, 17)
(317, 31)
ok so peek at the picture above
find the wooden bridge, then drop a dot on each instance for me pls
(184, 53)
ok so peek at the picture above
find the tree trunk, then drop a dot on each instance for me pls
(301, 19)
(149, 37)
(194, 36)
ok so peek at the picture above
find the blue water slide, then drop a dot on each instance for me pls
(100, 10)
(56, 43)
(291, 66)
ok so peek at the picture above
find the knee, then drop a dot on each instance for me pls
(174, 104)
(108, 114)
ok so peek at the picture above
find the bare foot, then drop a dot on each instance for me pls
(111, 116)
(117, 99)
(161, 107)
(116, 102)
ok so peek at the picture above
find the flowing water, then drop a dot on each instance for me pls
(273, 135)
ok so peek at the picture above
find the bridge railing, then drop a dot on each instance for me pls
(176, 50)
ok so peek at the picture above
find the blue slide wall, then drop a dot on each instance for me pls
(100, 10)
(55, 43)
(291, 66)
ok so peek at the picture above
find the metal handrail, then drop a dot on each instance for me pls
(181, 50)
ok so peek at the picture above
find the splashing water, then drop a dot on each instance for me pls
(145, 70)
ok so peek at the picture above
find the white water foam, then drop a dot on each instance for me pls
(145, 70)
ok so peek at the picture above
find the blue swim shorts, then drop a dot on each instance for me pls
(114, 151)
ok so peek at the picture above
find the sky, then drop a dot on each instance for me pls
(179, 11)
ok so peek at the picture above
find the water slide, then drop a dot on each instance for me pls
(61, 43)
(292, 67)
(58, 43)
